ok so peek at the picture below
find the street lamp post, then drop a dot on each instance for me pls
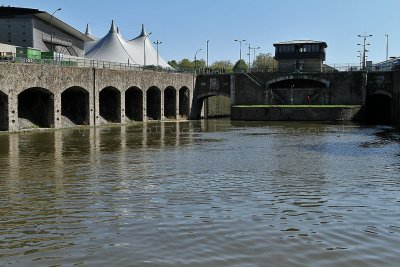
(254, 53)
(158, 57)
(144, 48)
(240, 48)
(364, 44)
(51, 29)
(387, 46)
(207, 52)
(195, 61)
(249, 54)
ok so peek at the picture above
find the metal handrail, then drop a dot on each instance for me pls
(85, 63)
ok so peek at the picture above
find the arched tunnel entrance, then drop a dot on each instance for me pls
(75, 106)
(110, 104)
(134, 104)
(379, 109)
(297, 91)
(153, 104)
(217, 106)
(37, 106)
(184, 102)
(170, 103)
(3, 112)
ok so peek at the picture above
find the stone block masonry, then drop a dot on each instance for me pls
(44, 96)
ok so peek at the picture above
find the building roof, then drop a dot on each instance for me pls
(301, 42)
(11, 12)
(114, 48)
(138, 44)
(111, 48)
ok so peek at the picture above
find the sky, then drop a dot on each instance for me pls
(184, 26)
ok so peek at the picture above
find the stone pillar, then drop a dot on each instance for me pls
(57, 110)
(145, 105)
(122, 107)
(162, 117)
(91, 108)
(13, 123)
(96, 105)
(177, 116)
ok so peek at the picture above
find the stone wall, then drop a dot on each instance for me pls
(16, 78)
(396, 98)
(296, 113)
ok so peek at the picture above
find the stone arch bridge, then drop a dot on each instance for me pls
(56, 97)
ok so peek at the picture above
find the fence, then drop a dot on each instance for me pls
(84, 63)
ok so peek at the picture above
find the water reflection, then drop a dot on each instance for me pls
(216, 193)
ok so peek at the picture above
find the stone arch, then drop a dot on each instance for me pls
(3, 111)
(184, 102)
(153, 104)
(36, 105)
(170, 102)
(382, 92)
(298, 82)
(75, 106)
(199, 102)
(134, 103)
(379, 108)
(110, 104)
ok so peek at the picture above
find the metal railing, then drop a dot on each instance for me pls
(85, 63)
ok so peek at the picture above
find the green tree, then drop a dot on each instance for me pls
(200, 64)
(222, 66)
(264, 61)
(186, 64)
(173, 64)
(240, 66)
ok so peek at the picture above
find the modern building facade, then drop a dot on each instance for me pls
(300, 56)
(28, 27)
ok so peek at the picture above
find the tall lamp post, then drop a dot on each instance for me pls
(387, 46)
(51, 29)
(254, 53)
(144, 48)
(158, 57)
(195, 60)
(240, 48)
(207, 52)
(249, 54)
(364, 44)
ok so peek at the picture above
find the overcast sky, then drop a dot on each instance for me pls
(184, 26)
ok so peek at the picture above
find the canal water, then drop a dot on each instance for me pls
(203, 193)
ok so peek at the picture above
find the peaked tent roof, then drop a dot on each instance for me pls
(88, 45)
(111, 48)
(114, 48)
(142, 41)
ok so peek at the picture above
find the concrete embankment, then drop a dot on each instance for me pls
(297, 113)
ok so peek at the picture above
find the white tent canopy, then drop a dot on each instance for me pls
(114, 48)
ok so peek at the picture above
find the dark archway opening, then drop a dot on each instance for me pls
(184, 102)
(75, 105)
(110, 104)
(170, 103)
(153, 103)
(217, 106)
(379, 109)
(134, 104)
(37, 106)
(3, 112)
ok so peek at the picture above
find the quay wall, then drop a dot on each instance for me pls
(350, 113)
(54, 80)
